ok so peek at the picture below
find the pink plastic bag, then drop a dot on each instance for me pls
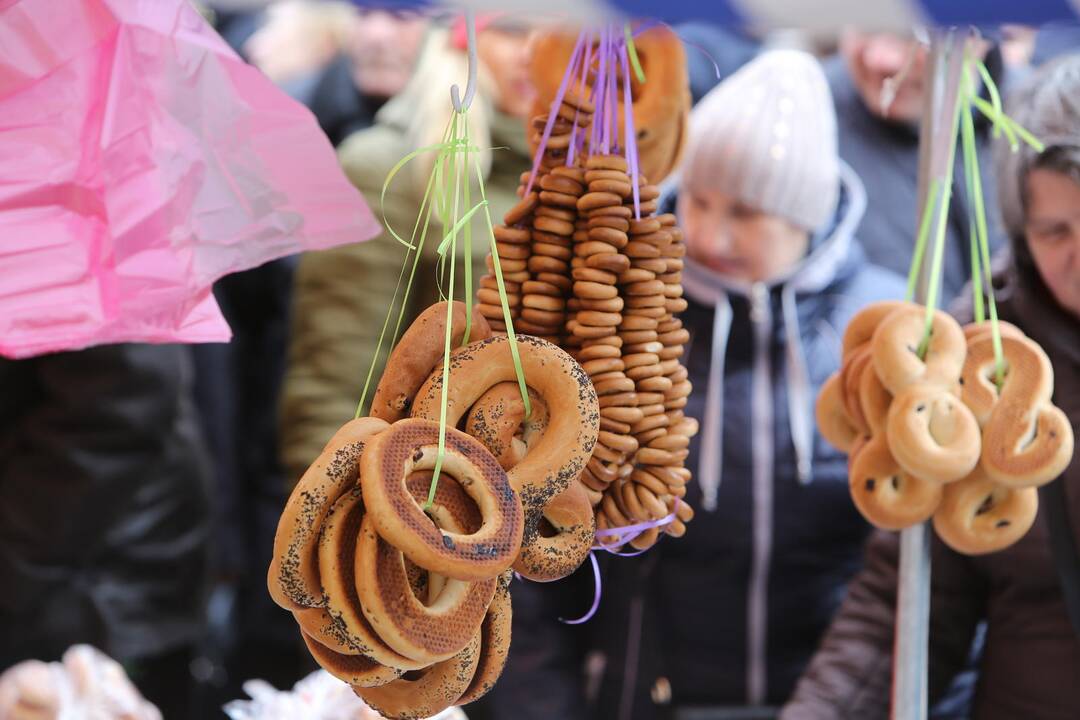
(141, 160)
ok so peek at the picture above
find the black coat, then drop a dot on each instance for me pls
(103, 504)
(777, 552)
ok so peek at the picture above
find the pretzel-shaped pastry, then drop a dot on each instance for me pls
(896, 343)
(293, 578)
(433, 690)
(884, 493)
(932, 434)
(832, 420)
(560, 455)
(419, 350)
(860, 329)
(972, 331)
(978, 516)
(412, 444)
(1027, 441)
(498, 418)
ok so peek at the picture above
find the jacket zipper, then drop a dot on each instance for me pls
(762, 497)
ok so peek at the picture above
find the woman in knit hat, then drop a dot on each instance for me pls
(1029, 593)
(723, 620)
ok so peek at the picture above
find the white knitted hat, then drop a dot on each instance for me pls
(767, 136)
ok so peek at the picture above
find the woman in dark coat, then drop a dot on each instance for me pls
(1028, 594)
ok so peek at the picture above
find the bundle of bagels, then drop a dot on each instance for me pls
(936, 428)
(588, 264)
(398, 577)
(406, 600)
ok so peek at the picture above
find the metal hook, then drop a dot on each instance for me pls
(470, 89)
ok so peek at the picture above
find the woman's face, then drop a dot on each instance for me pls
(738, 241)
(505, 54)
(1053, 234)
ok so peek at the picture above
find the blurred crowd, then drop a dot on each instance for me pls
(140, 486)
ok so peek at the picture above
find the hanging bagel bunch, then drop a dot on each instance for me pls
(401, 586)
(935, 427)
(605, 282)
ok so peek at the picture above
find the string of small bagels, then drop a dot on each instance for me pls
(486, 452)
(942, 422)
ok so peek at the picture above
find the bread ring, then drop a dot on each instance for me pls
(513, 235)
(433, 690)
(293, 578)
(598, 352)
(610, 236)
(594, 200)
(425, 633)
(567, 444)
(885, 494)
(352, 669)
(561, 184)
(417, 353)
(498, 421)
(611, 262)
(542, 557)
(647, 539)
(412, 444)
(932, 434)
(896, 341)
(860, 329)
(523, 209)
(833, 421)
(608, 221)
(851, 374)
(978, 516)
(621, 188)
(975, 330)
(586, 274)
(606, 162)
(613, 210)
(342, 626)
(874, 400)
(1026, 441)
(558, 545)
(494, 647)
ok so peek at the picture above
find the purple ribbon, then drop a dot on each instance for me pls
(629, 532)
(634, 531)
(554, 111)
(631, 136)
(596, 595)
(577, 135)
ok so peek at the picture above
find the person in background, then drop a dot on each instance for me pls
(342, 295)
(343, 61)
(1029, 593)
(104, 513)
(880, 140)
(720, 623)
